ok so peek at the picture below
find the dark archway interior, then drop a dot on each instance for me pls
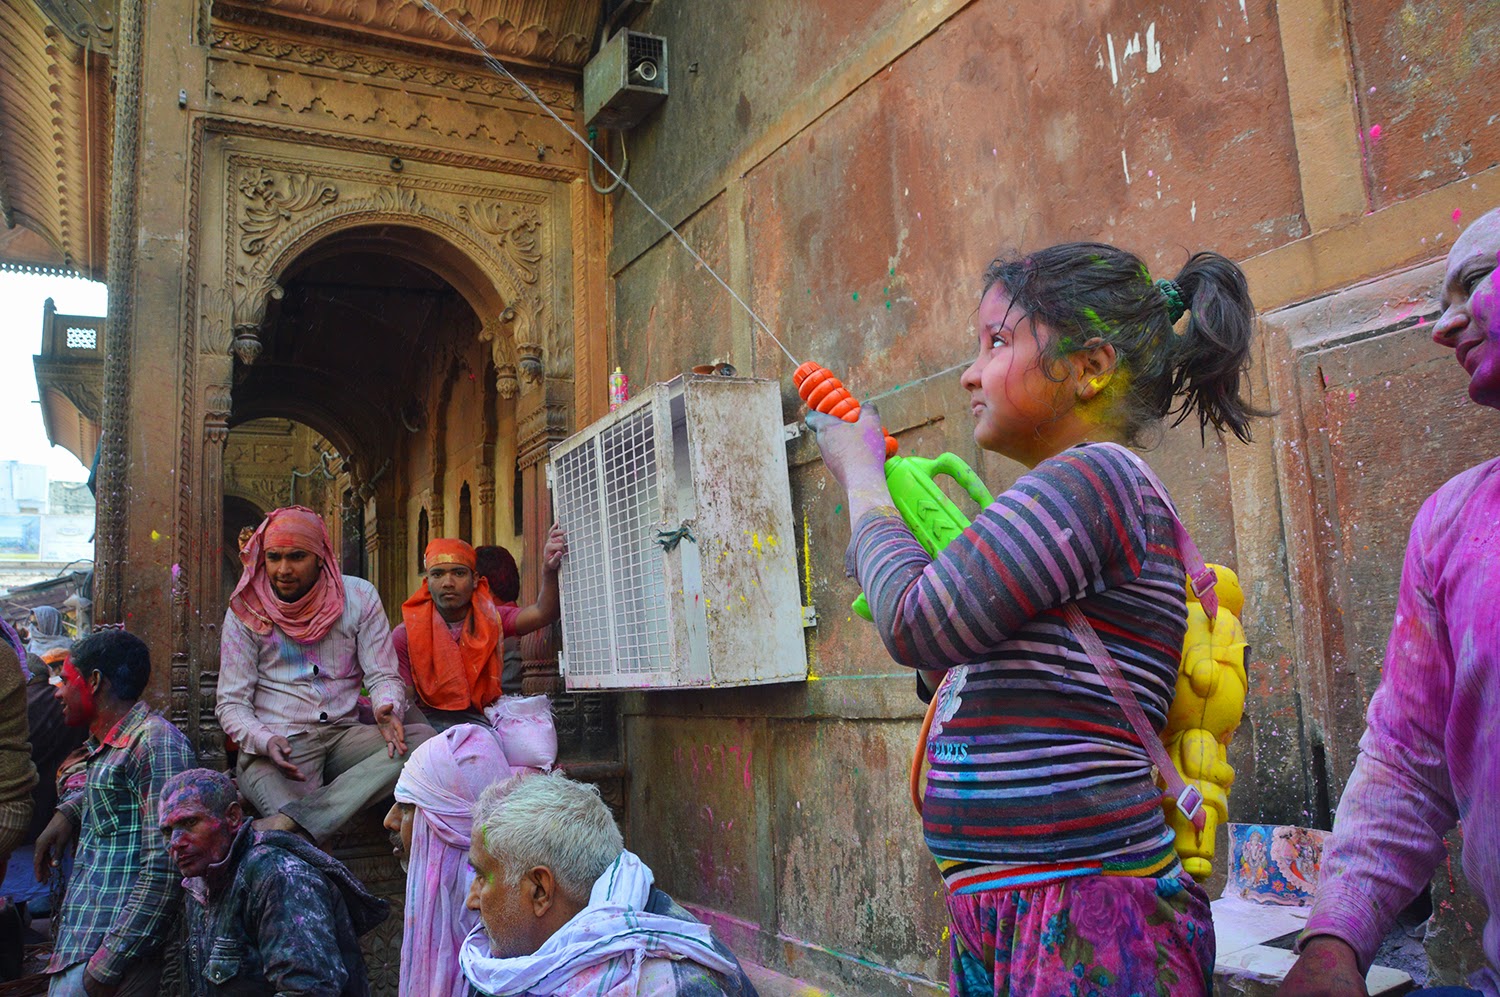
(350, 346)
(238, 514)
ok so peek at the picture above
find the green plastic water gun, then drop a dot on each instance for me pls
(933, 519)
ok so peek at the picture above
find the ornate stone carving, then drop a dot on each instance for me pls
(253, 291)
(302, 52)
(493, 331)
(89, 23)
(515, 227)
(560, 33)
(218, 403)
(86, 396)
(114, 457)
(216, 312)
(273, 200)
(395, 108)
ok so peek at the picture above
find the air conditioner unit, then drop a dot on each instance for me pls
(625, 81)
(682, 554)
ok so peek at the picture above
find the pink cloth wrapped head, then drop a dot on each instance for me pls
(309, 619)
(442, 779)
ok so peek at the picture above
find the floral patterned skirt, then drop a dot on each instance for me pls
(1095, 936)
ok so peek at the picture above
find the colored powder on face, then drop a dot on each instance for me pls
(1457, 214)
(856, 295)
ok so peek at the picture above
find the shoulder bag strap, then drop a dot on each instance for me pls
(1186, 796)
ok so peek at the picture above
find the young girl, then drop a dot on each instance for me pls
(1040, 807)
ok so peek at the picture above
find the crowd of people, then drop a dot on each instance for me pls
(1040, 810)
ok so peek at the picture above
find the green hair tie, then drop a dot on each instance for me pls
(1176, 306)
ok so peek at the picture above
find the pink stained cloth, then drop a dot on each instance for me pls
(1430, 754)
(255, 602)
(442, 779)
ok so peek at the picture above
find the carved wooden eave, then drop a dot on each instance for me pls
(540, 33)
(70, 381)
(55, 133)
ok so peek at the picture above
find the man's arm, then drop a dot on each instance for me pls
(1388, 835)
(548, 606)
(140, 925)
(300, 955)
(239, 674)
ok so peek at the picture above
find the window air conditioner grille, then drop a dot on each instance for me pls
(586, 630)
(608, 500)
(642, 641)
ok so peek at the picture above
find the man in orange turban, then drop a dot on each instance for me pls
(449, 640)
(298, 642)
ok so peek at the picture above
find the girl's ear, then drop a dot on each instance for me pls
(1095, 366)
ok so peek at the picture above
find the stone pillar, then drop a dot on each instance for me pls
(152, 427)
(542, 419)
(207, 592)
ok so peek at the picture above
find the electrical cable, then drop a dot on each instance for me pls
(624, 164)
(499, 67)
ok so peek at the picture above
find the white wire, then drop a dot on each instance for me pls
(499, 67)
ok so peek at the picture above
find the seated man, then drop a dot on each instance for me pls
(429, 825)
(299, 640)
(266, 912)
(567, 910)
(122, 896)
(449, 642)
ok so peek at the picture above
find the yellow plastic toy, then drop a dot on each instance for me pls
(1205, 712)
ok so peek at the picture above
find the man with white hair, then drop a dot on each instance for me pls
(564, 909)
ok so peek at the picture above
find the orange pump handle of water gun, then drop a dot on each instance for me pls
(825, 393)
(920, 755)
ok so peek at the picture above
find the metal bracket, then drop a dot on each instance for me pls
(809, 617)
(562, 665)
(792, 431)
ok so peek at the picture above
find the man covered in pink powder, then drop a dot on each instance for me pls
(1430, 755)
(267, 912)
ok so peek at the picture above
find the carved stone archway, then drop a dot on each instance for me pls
(493, 238)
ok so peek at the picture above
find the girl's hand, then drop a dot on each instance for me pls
(853, 451)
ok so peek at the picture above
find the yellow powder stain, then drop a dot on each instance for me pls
(812, 645)
(155, 536)
(755, 543)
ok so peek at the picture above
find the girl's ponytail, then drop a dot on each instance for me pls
(1213, 351)
(1087, 291)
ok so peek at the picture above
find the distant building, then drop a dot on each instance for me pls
(46, 527)
(69, 498)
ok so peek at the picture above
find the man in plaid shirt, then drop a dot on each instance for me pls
(124, 892)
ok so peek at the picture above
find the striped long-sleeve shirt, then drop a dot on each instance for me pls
(1035, 772)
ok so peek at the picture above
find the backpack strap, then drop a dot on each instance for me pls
(1199, 574)
(1186, 796)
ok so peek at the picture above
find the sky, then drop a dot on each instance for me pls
(22, 436)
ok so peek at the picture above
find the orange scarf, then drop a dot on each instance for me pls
(449, 674)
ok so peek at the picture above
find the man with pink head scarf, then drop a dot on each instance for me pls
(430, 825)
(298, 643)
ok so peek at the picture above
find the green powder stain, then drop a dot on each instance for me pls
(888, 305)
(856, 295)
(893, 271)
(838, 508)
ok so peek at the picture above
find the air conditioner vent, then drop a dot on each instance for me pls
(625, 81)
